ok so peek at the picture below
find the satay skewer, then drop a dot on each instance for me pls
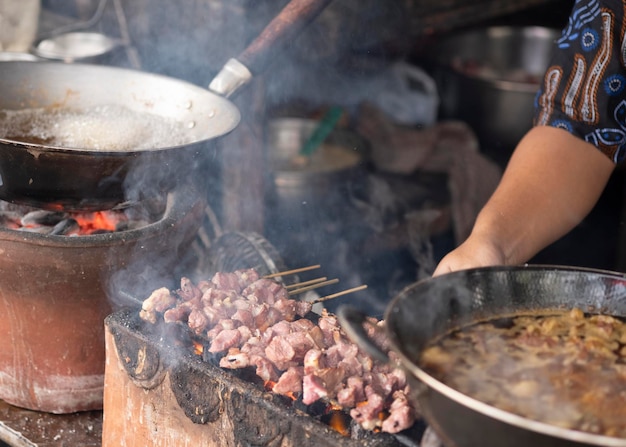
(314, 286)
(305, 283)
(338, 294)
(291, 272)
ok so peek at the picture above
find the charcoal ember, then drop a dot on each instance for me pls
(65, 227)
(42, 217)
(316, 409)
(10, 220)
(339, 420)
(124, 217)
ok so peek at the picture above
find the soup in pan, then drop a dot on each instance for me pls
(566, 369)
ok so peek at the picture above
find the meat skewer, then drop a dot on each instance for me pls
(249, 321)
(305, 283)
(338, 294)
(314, 286)
(291, 272)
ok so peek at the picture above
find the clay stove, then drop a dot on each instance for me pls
(54, 297)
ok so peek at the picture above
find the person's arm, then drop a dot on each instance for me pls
(551, 183)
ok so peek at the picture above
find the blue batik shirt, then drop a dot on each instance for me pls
(584, 89)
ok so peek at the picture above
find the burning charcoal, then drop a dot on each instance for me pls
(43, 217)
(65, 227)
(339, 421)
(10, 219)
(316, 409)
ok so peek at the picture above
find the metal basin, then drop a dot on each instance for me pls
(86, 47)
(319, 180)
(489, 77)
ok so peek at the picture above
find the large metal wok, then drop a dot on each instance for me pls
(86, 179)
(432, 307)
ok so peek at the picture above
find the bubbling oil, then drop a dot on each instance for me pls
(101, 128)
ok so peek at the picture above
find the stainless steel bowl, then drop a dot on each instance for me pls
(489, 77)
(76, 47)
(17, 56)
(313, 180)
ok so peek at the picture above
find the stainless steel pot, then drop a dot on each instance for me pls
(488, 77)
(86, 179)
(326, 174)
(433, 307)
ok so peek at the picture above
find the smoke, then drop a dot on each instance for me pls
(335, 61)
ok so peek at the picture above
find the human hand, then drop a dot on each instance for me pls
(474, 252)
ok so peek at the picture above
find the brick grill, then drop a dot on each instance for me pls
(159, 394)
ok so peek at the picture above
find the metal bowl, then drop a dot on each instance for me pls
(75, 47)
(7, 56)
(313, 180)
(489, 77)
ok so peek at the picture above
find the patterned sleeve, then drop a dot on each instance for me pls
(584, 89)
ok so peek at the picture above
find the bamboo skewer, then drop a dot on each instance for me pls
(338, 294)
(314, 286)
(305, 286)
(305, 283)
(291, 272)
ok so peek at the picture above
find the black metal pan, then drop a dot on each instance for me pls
(430, 308)
(80, 178)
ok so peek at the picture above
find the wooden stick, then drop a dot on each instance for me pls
(338, 294)
(291, 272)
(314, 286)
(305, 283)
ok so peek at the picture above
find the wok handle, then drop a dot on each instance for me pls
(352, 321)
(291, 20)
